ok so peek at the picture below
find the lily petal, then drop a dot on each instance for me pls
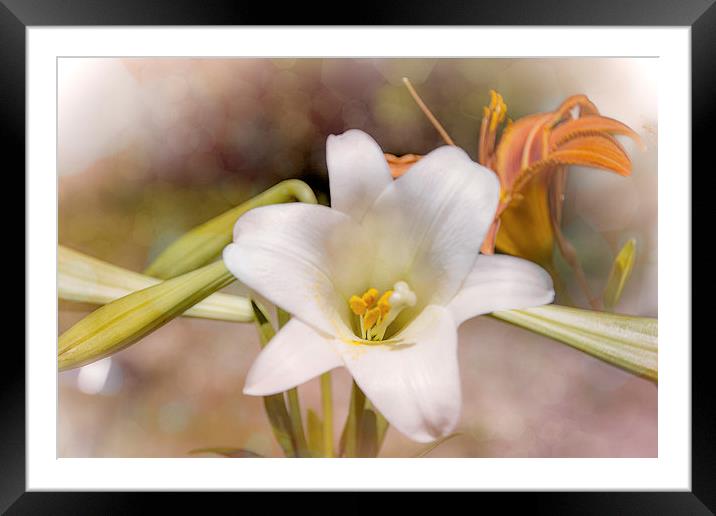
(416, 384)
(294, 355)
(501, 282)
(428, 225)
(301, 258)
(357, 170)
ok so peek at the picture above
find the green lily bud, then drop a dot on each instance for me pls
(205, 242)
(122, 322)
(621, 270)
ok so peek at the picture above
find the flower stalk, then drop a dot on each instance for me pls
(327, 406)
(275, 404)
(294, 404)
(353, 422)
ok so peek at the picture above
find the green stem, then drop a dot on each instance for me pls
(381, 427)
(275, 404)
(327, 403)
(294, 412)
(353, 422)
(294, 404)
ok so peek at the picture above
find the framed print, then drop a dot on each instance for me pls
(413, 257)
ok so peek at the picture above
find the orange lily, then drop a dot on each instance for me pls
(530, 158)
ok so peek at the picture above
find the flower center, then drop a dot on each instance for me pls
(375, 313)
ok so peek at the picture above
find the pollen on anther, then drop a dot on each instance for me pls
(371, 318)
(384, 303)
(370, 296)
(358, 305)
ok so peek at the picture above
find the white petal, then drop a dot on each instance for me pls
(357, 171)
(295, 355)
(301, 258)
(416, 386)
(501, 282)
(430, 223)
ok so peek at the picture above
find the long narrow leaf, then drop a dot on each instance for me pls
(625, 341)
(315, 433)
(205, 242)
(86, 279)
(275, 405)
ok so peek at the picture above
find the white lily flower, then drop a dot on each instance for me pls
(380, 281)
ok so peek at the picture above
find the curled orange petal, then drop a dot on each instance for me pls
(590, 125)
(586, 107)
(508, 156)
(601, 151)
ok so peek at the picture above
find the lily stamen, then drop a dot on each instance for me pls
(375, 314)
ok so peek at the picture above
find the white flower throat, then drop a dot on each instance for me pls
(376, 313)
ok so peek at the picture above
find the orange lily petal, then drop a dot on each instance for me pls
(590, 125)
(525, 228)
(399, 165)
(508, 156)
(585, 105)
(601, 151)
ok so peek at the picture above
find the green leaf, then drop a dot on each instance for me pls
(368, 435)
(275, 405)
(205, 242)
(381, 424)
(89, 280)
(619, 274)
(236, 453)
(348, 444)
(624, 341)
(124, 321)
(315, 433)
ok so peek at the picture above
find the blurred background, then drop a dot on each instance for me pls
(149, 148)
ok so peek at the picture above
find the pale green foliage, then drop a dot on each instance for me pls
(122, 322)
(625, 341)
(86, 279)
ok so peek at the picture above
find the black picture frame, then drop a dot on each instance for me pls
(17, 15)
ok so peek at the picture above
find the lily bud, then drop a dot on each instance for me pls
(121, 323)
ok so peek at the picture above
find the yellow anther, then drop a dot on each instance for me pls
(358, 305)
(371, 318)
(369, 297)
(384, 303)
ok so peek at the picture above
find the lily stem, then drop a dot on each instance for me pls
(294, 405)
(327, 403)
(294, 412)
(353, 424)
